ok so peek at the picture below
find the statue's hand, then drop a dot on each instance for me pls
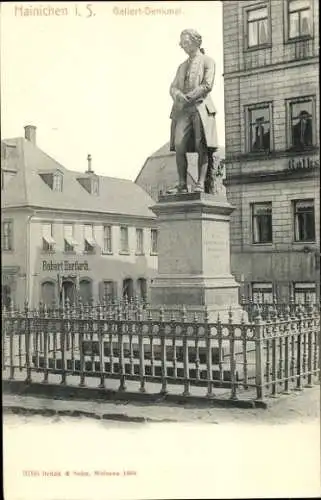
(181, 98)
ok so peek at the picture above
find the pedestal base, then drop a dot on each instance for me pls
(217, 295)
(194, 255)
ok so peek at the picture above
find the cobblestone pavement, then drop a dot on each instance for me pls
(297, 407)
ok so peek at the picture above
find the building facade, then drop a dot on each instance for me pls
(69, 234)
(271, 81)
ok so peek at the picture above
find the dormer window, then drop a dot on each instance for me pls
(57, 182)
(53, 179)
(90, 182)
(95, 186)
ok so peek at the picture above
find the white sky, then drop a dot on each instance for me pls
(99, 85)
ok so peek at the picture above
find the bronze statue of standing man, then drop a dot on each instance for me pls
(193, 128)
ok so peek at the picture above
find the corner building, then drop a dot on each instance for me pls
(68, 234)
(272, 99)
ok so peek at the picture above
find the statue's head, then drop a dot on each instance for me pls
(190, 41)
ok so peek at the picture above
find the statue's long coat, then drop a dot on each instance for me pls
(200, 84)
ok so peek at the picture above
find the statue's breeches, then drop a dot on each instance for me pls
(189, 133)
(192, 129)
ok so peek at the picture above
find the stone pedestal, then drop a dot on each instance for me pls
(194, 255)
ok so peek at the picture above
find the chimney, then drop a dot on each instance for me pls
(30, 133)
(89, 170)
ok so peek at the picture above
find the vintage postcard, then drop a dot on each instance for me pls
(160, 244)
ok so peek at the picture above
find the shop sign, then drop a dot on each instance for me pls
(303, 164)
(64, 265)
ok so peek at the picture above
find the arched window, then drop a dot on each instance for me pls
(48, 290)
(107, 291)
(68, 291)
(142, 288)
(128, 288)
(85, 291)
(6, 296)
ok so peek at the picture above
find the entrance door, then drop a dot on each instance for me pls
(68, 292)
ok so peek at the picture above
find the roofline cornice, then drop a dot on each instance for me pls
(40, 209)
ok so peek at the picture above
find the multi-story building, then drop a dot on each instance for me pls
(67, 233)
(271, 80)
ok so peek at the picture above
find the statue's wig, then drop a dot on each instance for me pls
(194, 36)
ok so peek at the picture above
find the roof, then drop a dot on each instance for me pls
(159, 171)
(27, 188)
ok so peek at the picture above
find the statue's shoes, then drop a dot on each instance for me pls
(181, 189)
(176, 189)
(198, 188)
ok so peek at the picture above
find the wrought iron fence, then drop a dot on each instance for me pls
(272, 308)
(272, 353)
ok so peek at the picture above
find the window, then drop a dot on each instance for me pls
(70, 242)
(300, 113)
(304, 292)
(48, 293)
(154, 241)
(257, 27)
(95, 187)
(108, 291)
(262, 293)
(142, 288)
(124, 246)
(6, 298)
(85, 291)
(299, 19)
(262, 222)
(259, 127)
(7, 235)
(90, 242)
(139, 241)
(108, 244)
(128, 288)
(47, 238)
(304, 225)
(57, 182)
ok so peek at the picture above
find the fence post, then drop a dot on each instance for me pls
(259, 357)
(141, 349)
(299, 350)
(64, 319)
(121, 356)
(209, 354)
(186, 391)
(81, 345)
(287, 333)
(163, 351)
(231, 329)
(27, 343)
(244, 347)
(11, 342)
(45, 345)
(310, 343)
